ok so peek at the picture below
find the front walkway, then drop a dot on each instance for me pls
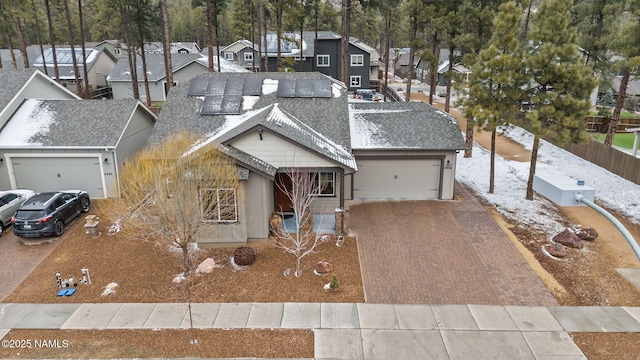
(358, 331)
(441, 252)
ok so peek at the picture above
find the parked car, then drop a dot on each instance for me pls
(365, 94)
(47, 213)
(10, 201)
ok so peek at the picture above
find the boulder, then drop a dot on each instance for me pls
(557, 250)
(568, 238)
(244, 256)
(323, 267)
(207, 266)
(587, 233)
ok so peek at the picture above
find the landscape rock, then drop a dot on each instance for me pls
(556, 249)
(244, 256)
(207, 266)
(180, 278)
(568, 238)
(323, 267)
(587, 233)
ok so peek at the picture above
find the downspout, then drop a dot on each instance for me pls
(627, 235)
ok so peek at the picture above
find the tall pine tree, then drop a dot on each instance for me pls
(498, 78)
(560, 81)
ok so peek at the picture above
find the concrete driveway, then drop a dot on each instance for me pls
(441, 252)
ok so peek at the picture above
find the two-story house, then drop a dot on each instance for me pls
(364, 60)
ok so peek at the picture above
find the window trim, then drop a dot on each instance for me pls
(327, 57)
(355, 77)
(226, 55)
(218, 216)
(356, 56)
(331, 181)
(248, 56)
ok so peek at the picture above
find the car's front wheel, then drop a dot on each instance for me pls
(58, 228)
(85, 205)
(1, 229)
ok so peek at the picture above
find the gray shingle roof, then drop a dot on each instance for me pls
(155, 66)
(250, 161)
(12, 81)
(68, 123)
(403, 125)
(327, 116)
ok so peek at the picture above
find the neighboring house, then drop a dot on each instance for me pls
(185, 67)
(185, 48)
(422, 67)
(243, 53)
(400, 62)
(272, 122)
(633, 87)
(51, 140)
(7, 60)
(176, 48)
(100, 63)
(364, 61)
(458, 70)
(115, 47)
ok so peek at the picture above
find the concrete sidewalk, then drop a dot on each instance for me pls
(358, 331)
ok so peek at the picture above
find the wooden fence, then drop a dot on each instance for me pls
(601, 123)
(618, 162)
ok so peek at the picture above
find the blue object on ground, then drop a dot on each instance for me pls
(70, 292)
(61, 292)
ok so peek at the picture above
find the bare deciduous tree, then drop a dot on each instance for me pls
(172, 190)
(301, 191)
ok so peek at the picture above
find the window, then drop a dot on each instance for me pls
(323, 60)
(357, 60)
(355, 81)
(219, 205)
(228, 56)
(248, 56)
(326, 182)
(71, 82)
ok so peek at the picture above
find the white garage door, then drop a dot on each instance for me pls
(397, 179)
(58, 173)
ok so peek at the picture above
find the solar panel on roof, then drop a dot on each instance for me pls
(234, 86)
(304, 88)
(286, 88)
(322, 88)
(198, 87)
(211, 105)
(252, 87)
(231, 104)
(216, 86)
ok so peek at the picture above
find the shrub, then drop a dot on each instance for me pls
(244, 255)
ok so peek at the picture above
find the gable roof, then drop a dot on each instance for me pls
(320, 118)
(239, 45)
(12, 81)
(64, 59)
(403, 125)
(155, 66)
(59, 123)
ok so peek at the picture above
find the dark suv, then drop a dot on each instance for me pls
(47, 213)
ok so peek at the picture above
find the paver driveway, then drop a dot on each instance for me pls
(441, 252)
(17, 261)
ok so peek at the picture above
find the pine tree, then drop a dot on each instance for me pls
(560, 81)
(498, 78)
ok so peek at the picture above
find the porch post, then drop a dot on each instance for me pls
(341, 171)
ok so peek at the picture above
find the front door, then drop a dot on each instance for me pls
(283, 203)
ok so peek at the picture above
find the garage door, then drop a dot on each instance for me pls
(397, 179)
(58, 173)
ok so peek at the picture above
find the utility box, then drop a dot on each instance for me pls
(562, 190)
